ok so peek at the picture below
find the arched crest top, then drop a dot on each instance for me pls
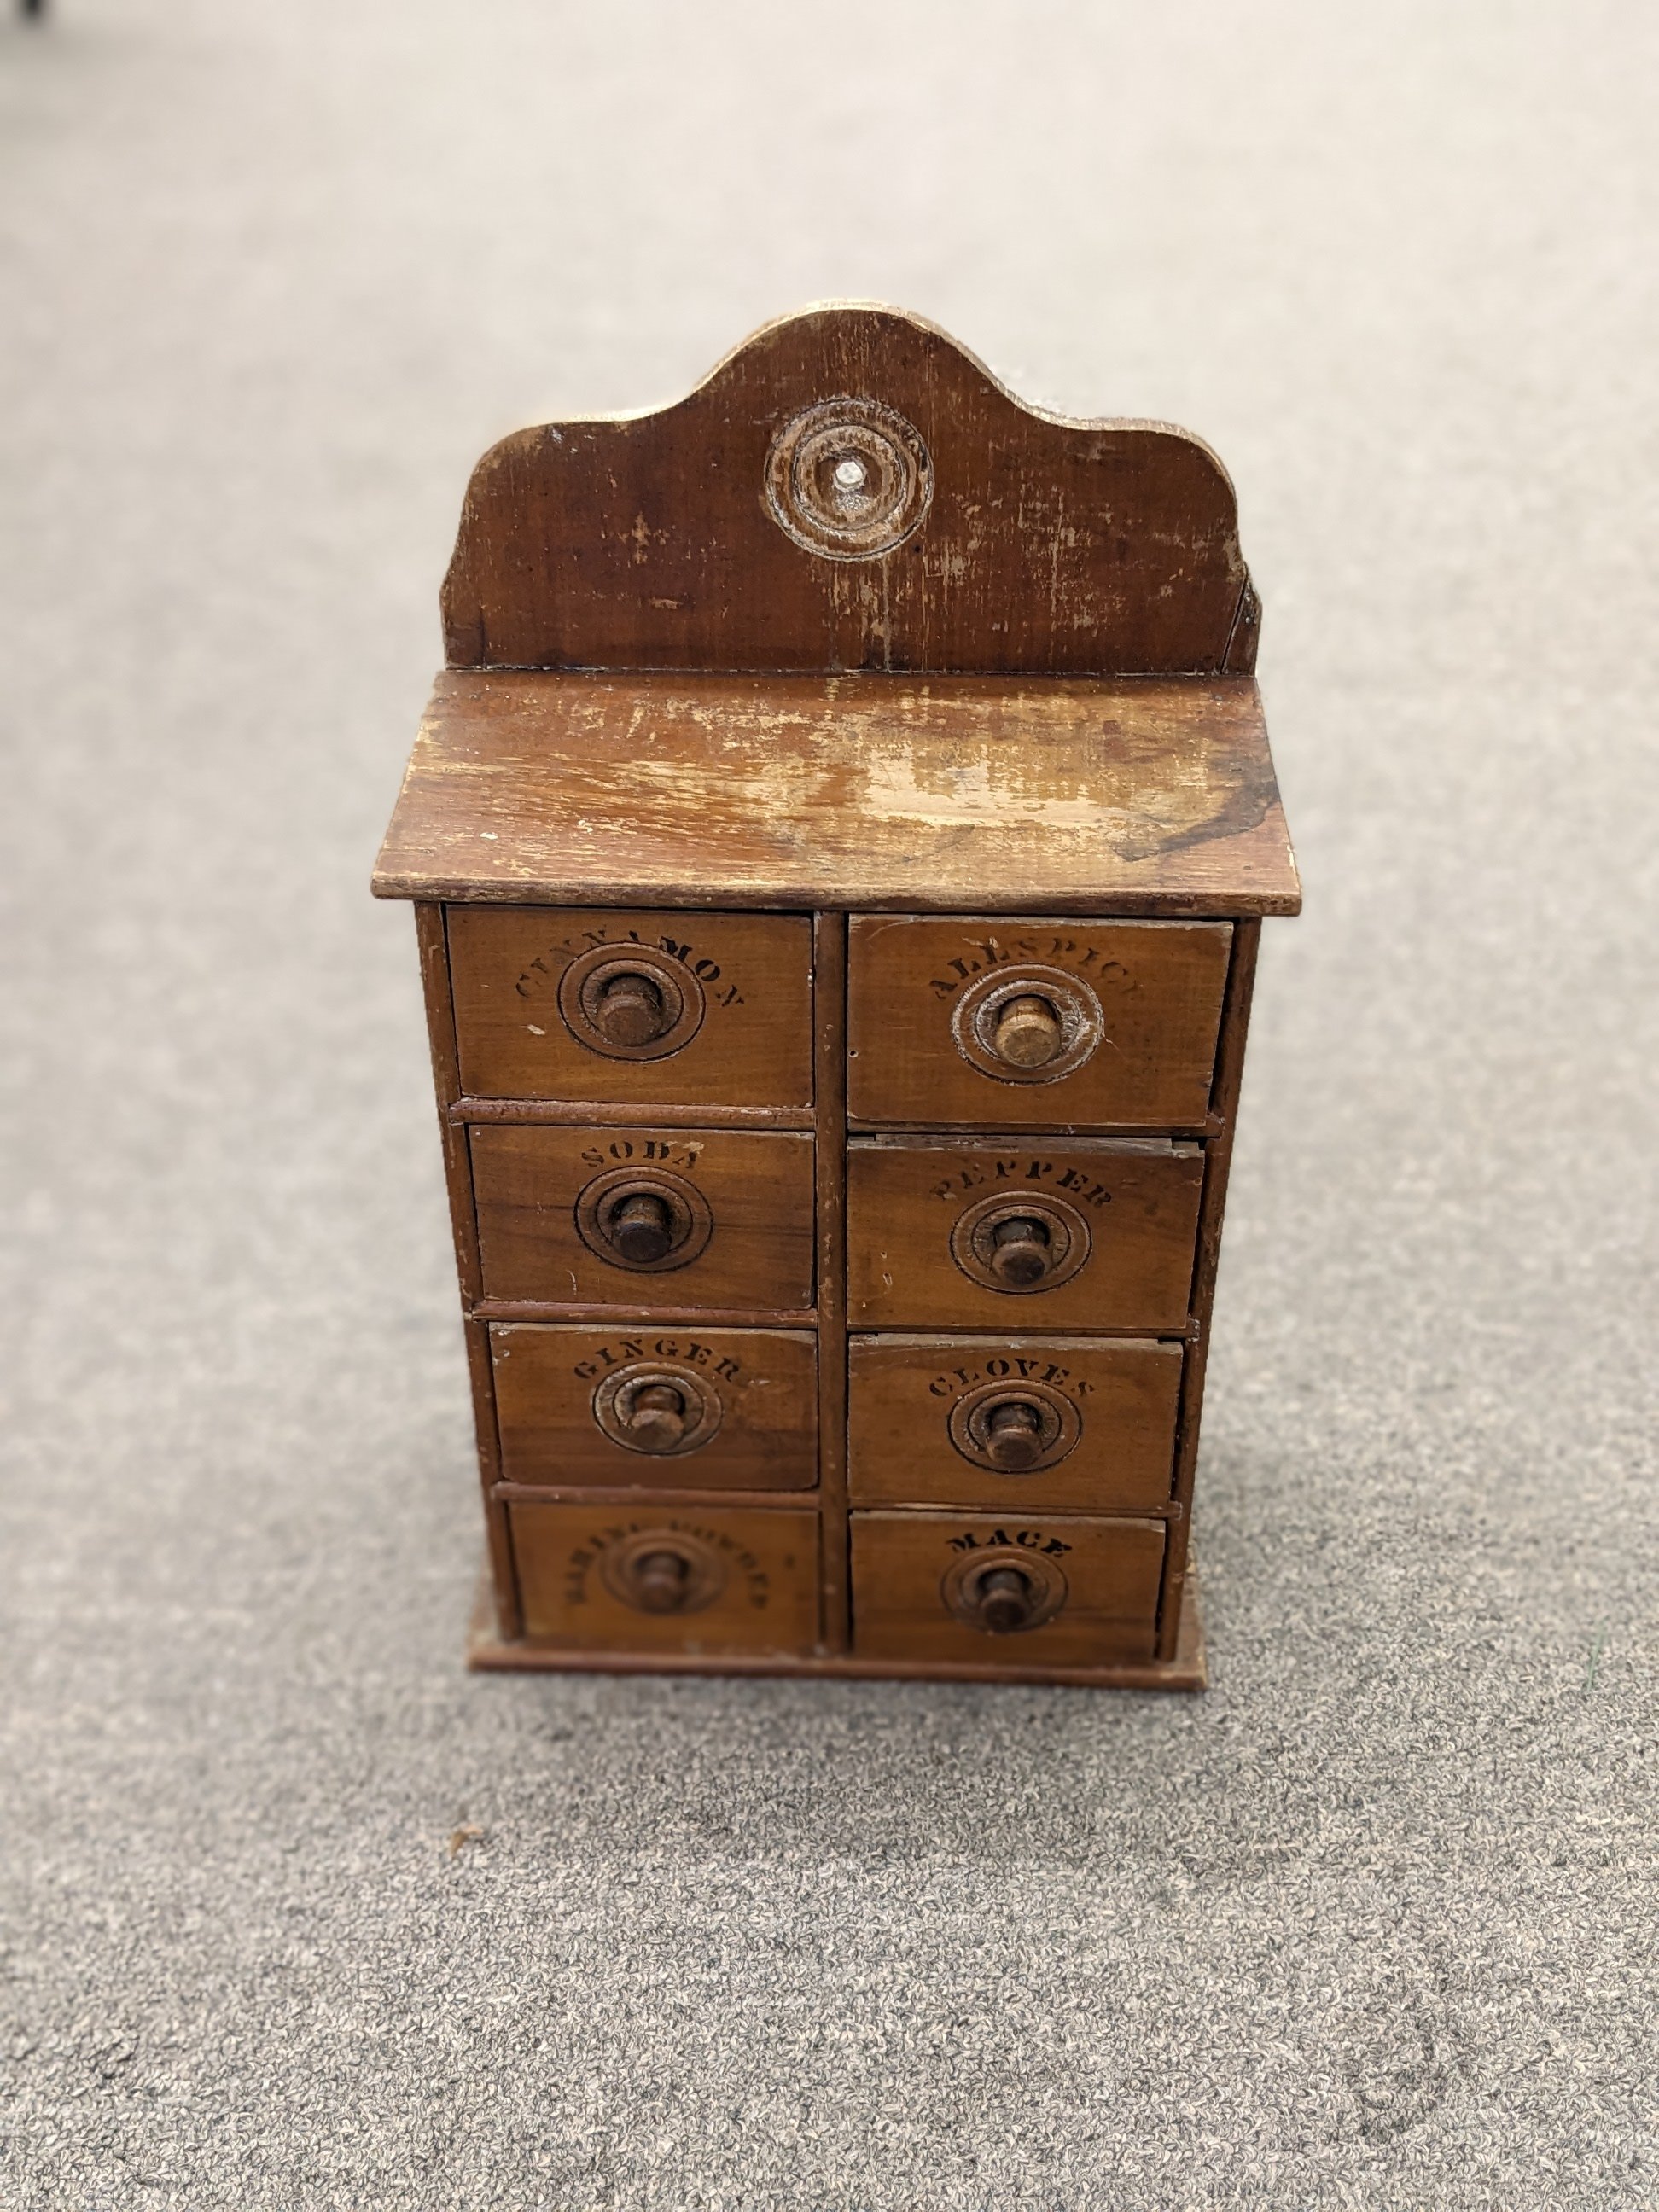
(851, 489)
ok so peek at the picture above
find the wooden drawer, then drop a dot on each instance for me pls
(1089, 1233)
(698, 1219)
(1028, 1423)
(633, 1008)
(702, 1409)
(661, 1577)
(1009, 1025)
(1016, 1591)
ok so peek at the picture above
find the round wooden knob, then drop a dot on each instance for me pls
(630, 1010)
(1028, 1032)
(1020, 1250)
(642, 1228)
(1006, 1600)
(657, 1418)
(662, 1581)
(1013, 1434)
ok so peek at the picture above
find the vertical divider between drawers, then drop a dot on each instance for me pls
(829, 1099)
(433, 939)
(1218, 1158)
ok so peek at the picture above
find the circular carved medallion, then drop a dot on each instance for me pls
(1030, 1025)
(970, 1589)
(848, 479)
(657, 1406)
(1020, 1244)
(663, 1570)
(648, 1219)
(630, 1001)
(1015, 1428)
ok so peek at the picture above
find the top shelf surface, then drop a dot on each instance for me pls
(1136, 795)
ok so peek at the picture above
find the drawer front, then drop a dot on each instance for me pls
(660, 1578)
(1080, 1234)
(1008, 1592)
(1021, 1424)
(701, 1409)
(1031, 1025)
(698, 1218)
(633, 1008)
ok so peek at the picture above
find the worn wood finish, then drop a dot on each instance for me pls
(657, 1409)
(430, 939)
(577, 1112)
(744, 980)
(756, 1192)
(1106, 1598)
(830, 1044)
(488, 1652)
(446, 1075)
(1035, 541)
(629, 1494)
(1017, 1423)
(847, 662)
(1218, 1160)
(930, 999)
(585, 1574)
(908, 1197)
(1145, 797)
(662, 1314)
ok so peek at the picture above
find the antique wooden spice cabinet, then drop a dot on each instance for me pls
(839, 842)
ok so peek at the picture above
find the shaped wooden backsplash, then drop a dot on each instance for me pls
(851, 489)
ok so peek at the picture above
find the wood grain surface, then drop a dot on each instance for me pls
(829, 1042)
(758, 1187)
(1157, 986)
(903, 1390)
(464, 1225)
(1187, 1670)
(1140, 1200)
(845, 813)
(764, 1383)
(962, 794)
(751, 976)
(1042, 544)
(768, 1599)
(1230, 1075)
(900, 1561)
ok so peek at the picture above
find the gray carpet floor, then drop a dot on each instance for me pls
(300, 1915)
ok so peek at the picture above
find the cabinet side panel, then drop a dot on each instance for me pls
(432, 940)
(1223, 1105)
(830, 1033)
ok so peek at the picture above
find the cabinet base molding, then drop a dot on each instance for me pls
(489, 1652)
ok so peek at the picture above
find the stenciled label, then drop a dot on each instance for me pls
(1011, 1367)
(985, 1172)
(981, 955)
(542, 973)
(679, 1153)
(1022, 1539)
(688, 1351)
(750, 1577)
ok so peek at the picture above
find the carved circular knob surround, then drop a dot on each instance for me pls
(1015, 1428)
(1004, 1592)
(1033, 1026)
(1027, 1032)
(646, 1218)
(848, 479)
(630, 1001)
(658, 1407)
(663, 1570)
(1020, 1243)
